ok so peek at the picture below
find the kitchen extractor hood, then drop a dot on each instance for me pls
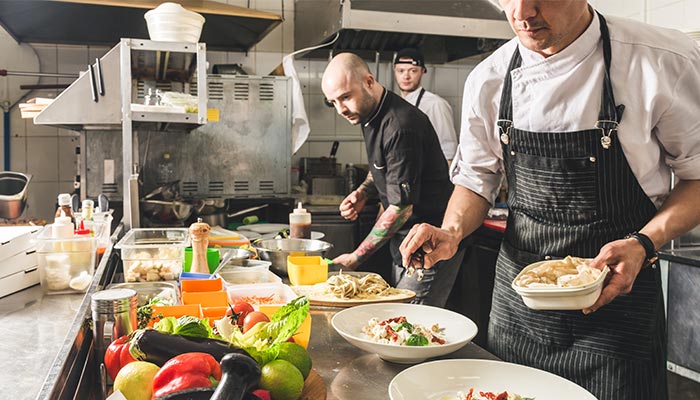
(445, 30)
(104, 22)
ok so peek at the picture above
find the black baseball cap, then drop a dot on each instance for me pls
(415, 55)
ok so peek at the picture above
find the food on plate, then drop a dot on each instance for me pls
(471, 395)
(370, 286)
(569, 272)
(400, 332)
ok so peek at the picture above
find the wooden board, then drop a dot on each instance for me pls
(314, 387)
(316, 299)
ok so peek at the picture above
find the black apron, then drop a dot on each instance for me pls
(569, 194)
(420, 97)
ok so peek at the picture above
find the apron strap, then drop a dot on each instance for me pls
(609, 115)
(420, 97)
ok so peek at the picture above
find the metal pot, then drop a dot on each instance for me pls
(13, 193)
(277, 250)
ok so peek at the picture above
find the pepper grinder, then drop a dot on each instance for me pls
(199, 233)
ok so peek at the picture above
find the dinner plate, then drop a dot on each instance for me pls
(445, 379)
(318, 297)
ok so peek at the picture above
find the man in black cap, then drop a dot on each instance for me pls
(409, 68)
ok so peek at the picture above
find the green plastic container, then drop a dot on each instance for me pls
(213, 259)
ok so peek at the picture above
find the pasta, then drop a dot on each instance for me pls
(569, 272)
(344, 286)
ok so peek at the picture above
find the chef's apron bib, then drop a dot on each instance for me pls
(569, 193)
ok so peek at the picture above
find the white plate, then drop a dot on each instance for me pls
(459, 330)
(443, 379)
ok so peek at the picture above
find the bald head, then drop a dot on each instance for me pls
(350, 87)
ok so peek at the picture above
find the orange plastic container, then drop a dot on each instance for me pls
(178, 311)
(201, 285)
(206, 299)
(214, 313)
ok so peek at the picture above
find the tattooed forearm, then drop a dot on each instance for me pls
(391, 220)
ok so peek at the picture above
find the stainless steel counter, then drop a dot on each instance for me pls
(351, 373)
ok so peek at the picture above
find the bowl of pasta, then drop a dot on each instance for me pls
(404, 333)
(566, 284)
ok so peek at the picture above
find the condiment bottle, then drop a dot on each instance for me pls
(65, 207)
(86, 214)
(300, 223)
(199, 234)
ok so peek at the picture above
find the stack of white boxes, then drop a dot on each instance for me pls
(18, 260)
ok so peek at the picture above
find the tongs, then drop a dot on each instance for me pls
(418, 257)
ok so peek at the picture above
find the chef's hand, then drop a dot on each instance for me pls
(347, 260)
(438, 244)
(625, 259)
(352, 205)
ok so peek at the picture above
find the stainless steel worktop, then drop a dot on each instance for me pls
(351, 373)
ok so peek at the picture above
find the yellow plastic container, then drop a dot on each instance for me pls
(306, 270)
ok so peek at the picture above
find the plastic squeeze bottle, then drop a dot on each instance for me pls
(300, 223)
(65, 207)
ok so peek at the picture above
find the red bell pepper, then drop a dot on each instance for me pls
(186, 371)
(262, 394)
(117, 355)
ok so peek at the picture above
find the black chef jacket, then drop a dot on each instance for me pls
(407, 163)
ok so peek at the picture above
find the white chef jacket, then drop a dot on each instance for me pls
(655, 73)
(440, 114)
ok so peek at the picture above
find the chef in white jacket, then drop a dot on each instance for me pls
(409, 68)
(587, 116)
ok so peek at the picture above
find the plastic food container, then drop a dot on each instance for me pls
(306, 270)
(201, 285)
(249, 276)
(559, 298)
(206, 299)
(65, 265)
(170, 22)
(194, 310)
(153, 254)
(148, 290)
(247, 265)
(213, 257)
(260, 293)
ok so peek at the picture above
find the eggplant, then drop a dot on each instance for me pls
(239, 374)
(158, 347)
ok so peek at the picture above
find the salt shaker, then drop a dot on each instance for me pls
(113, 316)
(199, 233)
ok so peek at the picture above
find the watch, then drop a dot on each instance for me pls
(651, 254)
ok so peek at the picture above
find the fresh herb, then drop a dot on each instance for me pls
(404, 325)
(416, 340)
(144, 313)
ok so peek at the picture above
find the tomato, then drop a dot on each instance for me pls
(241, 309)
(252, 319)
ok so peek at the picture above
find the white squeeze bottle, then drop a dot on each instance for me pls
(62, 228)
(300, 223)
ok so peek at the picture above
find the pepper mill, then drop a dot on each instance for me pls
(199, 233)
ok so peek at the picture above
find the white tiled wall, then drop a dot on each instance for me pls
(48, 153)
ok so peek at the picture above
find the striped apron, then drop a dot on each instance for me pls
(569, 194)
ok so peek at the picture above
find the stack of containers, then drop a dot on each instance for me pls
(66, 261)
(18, 258)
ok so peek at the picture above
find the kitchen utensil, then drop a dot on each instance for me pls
(247, 210)
(277, 251)
(449, 377)
(98, 75)
(113, 316)
(166, 191)
(199, 234)
(75, 203)
(166, 212)
(334, 148)
(227, 257)
(458, 330)
(103, 202)
(13, 193)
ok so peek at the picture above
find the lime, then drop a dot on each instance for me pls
(282, 379)
(135, 380)
(296, 355)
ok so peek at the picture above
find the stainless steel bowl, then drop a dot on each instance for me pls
(236, 256)
(277, 250)
(13, 193)
(166, 211)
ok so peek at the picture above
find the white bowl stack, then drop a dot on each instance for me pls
(170, 22)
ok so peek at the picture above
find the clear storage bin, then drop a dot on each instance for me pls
(65, 265)
(153, 254)
(248, 276)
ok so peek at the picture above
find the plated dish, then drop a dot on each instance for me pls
(347, 289)
(455, 329)
(450, 379)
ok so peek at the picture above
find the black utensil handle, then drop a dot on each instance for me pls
(334, 148)
(100, 82)
(93, 85)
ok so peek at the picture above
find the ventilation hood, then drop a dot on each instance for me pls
(445, 30)
(105, 22)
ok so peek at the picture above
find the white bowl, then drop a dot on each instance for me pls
(459, 330)
(560, 298)
(443, 379)
(170, 22)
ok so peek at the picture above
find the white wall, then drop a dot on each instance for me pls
(48, 153)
